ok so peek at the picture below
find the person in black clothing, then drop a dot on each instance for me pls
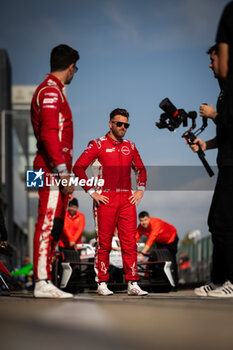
(3, 231)
(209, 111)
(220, 218)
(218, 269)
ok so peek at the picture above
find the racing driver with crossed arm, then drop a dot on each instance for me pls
(114, 203)
(53, 128)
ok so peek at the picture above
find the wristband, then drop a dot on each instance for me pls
(91, 191)
(62, 169)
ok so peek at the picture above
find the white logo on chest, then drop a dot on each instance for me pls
(108, 150)
(125, 150)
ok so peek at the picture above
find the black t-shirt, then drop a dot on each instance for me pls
(221, 97)
(224, 119)
(224, 136)
(225, 32)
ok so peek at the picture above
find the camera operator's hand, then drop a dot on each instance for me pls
(208, 112)
(99, 198)
(198, 143)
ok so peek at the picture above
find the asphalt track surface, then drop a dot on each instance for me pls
(174, 321)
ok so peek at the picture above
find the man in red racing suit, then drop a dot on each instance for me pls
(115, 201)
(53, 128)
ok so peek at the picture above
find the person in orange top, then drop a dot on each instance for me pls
(73, 226)
(159, 232)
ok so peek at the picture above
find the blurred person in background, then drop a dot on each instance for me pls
(74, 225)
(161, 233)
(53, 128)
(3, 231)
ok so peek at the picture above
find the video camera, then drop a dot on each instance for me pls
(173, 118)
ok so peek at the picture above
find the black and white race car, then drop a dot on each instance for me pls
(73, 270)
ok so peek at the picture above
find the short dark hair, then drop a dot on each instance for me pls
(143, 214)
(74, 202)
(62, 56)
(119, 111)
(212, 49)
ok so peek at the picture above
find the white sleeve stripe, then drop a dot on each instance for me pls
(47, 87)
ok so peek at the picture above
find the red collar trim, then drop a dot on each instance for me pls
(114, 142)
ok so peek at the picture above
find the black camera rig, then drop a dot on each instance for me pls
(173, 118)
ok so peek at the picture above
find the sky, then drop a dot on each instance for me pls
(133, 53)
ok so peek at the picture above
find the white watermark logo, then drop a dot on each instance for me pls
(56, 181)
(38, 178)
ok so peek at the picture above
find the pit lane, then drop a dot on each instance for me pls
(177, 320)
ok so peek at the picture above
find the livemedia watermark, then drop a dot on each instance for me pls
(38, 178)
(159, 178)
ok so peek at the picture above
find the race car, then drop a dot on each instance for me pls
(73, 270)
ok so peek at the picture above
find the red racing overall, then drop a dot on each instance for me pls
(116, 159)
(53, 127)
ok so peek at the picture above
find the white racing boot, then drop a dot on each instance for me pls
(134, 289)
(103, 289)
(203, 291)
(46, 289)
